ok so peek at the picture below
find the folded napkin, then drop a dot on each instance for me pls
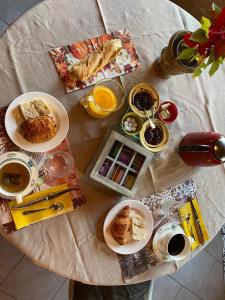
(188, 222)
(21, 220)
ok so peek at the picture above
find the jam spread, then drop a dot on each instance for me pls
(153, 136)
(142, 100)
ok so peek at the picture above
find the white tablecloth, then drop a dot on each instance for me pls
(72, 245)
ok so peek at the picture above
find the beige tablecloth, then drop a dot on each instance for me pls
(72, 245)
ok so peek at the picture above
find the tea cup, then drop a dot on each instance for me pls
(18, 175)
(171, 243)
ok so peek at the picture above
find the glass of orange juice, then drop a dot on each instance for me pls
(106, 97)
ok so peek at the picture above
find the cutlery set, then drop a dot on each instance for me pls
(196, 221)
(55, 206)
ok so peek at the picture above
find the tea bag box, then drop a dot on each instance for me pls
(119, 164)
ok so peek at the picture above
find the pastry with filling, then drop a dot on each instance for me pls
(121, 226)
(39, 129)
(97, 60)
(137, 226)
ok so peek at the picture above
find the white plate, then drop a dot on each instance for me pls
(58, 111)
(162, 232)
(132, 246)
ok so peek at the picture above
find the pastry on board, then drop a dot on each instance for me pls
(39, 129)
(97, 60)
(121, 225)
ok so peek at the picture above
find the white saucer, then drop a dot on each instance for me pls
(59, 112)
(132, 246)
(160, 233)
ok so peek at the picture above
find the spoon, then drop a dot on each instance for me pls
(150, 120)
(187, 219)
(153, 115)
(56, 206)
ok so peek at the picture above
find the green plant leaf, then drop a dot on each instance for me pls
(194, 58)
(216, 8)
(214, 67)
(199, 36)
(197, 72)
(205, 23)
(211, 58)
(203, 66)
(187, 53)
(221, 60)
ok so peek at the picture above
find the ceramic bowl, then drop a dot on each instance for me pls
(151, 91)
(138, 120)
(164, 141)
(173, 112)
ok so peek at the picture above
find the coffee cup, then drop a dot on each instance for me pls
(18, 175)
(172, 244)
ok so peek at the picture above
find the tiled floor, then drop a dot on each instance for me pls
(20, 279)
(201, 278)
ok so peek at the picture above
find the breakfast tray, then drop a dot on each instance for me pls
(65, 57)
(164, 207)
(46, 180)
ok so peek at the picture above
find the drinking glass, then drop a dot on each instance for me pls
(59, 164)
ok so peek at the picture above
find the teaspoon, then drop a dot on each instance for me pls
(56, 206)
(152, 125)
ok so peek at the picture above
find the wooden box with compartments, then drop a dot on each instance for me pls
(119, 164)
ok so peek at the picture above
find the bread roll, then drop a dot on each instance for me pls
(34, 108)
(138, 231)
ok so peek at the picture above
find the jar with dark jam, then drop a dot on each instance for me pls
(153, 136)
(142, 100)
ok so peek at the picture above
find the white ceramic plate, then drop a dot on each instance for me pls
(162, 232)
(132, 246)
(58, 111)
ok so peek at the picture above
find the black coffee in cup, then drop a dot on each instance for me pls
(176, 244)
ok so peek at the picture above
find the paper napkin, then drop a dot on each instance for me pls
(25, 220)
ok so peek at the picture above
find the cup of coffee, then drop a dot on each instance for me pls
(172, 243)
(18, 175)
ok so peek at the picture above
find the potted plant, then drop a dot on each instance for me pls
(191, 52)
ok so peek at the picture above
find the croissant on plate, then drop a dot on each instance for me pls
(121, 225)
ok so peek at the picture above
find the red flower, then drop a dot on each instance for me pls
(188, 42)
(219, 48)
(220, 20)
(217, 30)
(217, 34)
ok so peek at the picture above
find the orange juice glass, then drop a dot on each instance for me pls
(106, 97)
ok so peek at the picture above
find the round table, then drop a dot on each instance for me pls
(72, 245)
